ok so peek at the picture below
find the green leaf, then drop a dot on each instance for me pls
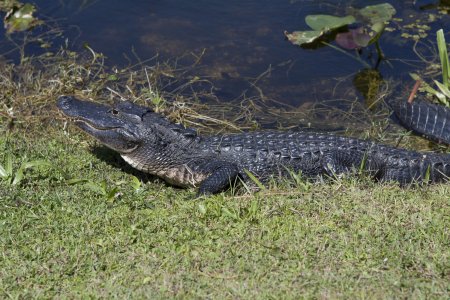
(36, 163)
(76, 181)
(427, 174)
(18, 176)
(254, 179)
(253, 210)
(112, 193)
(230, 214)
(425, 85)
(379, 13)
(103, 185)
(156, 100)
(378, 28)
(3, 173)
(415, 76)
(327, 22)
(26, 165)
(135, 183)
(443, 55)
(21, 19)
(113, 77)
(303, 37)
(96, 188)
(8, 164)
(441, 97)
(445, 90)
(245, 185)
(202, 209)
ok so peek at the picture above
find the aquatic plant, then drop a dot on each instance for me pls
(442, 93)
(359, 29)
(19, 17)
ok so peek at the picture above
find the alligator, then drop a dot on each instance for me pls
(151, 143)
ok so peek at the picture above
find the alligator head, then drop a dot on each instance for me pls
(119, 127)
(142, 137)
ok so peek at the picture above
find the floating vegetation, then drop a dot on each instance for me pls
(360, 28)
(19, 17)
(416, 26)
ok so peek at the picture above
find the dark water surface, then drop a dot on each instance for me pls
(241, 40)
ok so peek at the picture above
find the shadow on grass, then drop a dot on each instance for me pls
(113, 158)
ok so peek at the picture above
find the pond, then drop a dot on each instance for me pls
(240, 45)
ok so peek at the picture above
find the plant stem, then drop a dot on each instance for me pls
(349, 55)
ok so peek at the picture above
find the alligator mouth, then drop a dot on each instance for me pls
(83, 123)
(113, 136)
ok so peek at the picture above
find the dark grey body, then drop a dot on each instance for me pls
(152, 144)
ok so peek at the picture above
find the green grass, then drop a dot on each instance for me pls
(60, 237)
(86, 225)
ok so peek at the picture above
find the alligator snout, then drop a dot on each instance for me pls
(63, 102)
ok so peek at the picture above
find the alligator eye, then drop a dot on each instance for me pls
(131, 145)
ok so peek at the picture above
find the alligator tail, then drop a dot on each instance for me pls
(425, 118)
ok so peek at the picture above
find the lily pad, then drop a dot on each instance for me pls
(21, 18)
(302, 37)
(370, 20)
(327, 22)
(379, 13)
(353, 39)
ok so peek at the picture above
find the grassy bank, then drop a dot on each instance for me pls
(81, 223)
(64, 234)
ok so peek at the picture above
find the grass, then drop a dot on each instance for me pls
(85, 225)
(346, 239)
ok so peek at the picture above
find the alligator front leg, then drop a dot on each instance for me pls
(223, 174)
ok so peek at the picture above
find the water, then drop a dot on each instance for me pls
(241, 43)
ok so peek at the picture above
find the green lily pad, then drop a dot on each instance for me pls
(372, 19)
(379, 13)
(378, 27)
(302, 37)
(21, 18)
(327, 22)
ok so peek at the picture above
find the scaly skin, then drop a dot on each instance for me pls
(425, 118)
(151, 143)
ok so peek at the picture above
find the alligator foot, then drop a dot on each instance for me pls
(220, 179)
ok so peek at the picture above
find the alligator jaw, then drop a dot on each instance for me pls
(108, 136)
(89, 126)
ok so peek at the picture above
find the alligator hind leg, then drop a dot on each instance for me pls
(342, 161)
(338, 162)
(221, 177)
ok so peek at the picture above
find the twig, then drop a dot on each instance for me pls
(414, 91)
